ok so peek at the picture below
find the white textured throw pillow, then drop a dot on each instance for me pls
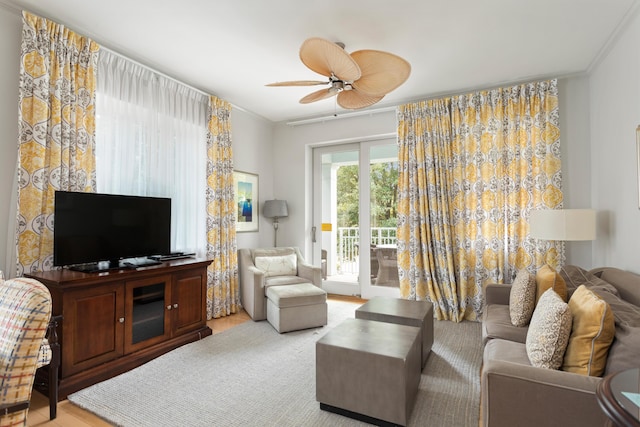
(281, 265)
(549, 331)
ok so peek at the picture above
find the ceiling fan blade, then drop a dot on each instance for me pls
(299, 83)
(382, 72)
(353, 99)
(328, 58)
(318, 95)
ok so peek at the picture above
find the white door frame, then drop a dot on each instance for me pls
(363, 287)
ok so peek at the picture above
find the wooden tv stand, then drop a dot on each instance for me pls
(114, 321)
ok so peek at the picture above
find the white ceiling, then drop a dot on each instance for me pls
(232, 48)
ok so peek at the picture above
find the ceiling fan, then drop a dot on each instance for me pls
(359, 79)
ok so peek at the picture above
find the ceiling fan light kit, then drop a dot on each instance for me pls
(359, 79)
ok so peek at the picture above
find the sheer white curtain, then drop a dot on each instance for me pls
(151, 141)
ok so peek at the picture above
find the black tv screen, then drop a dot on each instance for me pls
(93, 227)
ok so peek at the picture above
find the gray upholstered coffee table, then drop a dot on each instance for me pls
(402, 312)
(369, 370)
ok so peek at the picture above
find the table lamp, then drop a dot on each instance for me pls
(563, 224)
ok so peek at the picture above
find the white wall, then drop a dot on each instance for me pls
(10, 36)
(253, 152)
(576, 158)
(614, 114)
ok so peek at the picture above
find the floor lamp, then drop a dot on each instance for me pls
(275, 209)
(563, 224)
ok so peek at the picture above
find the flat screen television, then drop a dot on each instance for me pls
(92, 228)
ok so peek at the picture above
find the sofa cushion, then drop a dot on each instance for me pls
(282, 280)
(549, 331)
(592, 332)
(547, 277)
(296, 295)
(506, 351)
(624, 313)
(625, 349)
(496, 323)
(626, 283)
(277, 265)
(522, 298)
(575, 276)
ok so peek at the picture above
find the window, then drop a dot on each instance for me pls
(151, 141)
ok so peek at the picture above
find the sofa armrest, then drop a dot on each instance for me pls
(495, 293)
(516, 394)
(310, 272)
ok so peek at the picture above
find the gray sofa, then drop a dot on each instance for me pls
(516, 393)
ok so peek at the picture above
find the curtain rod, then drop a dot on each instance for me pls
(202, 92)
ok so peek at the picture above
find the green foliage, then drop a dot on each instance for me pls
(384, 192)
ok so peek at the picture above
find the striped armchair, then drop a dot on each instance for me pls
(25, 311)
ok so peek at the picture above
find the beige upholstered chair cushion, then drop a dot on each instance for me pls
(522, 298)
(591, 334)
(277, 265)
(548, 278)
(549, 331)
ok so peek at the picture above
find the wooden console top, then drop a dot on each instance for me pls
(67, 278)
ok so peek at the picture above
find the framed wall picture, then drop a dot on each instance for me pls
(246, 189)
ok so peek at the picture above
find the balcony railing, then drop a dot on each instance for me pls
(348, 250)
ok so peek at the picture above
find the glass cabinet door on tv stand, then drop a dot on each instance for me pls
(147, 319)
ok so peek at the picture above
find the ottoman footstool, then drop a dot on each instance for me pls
(294, 307)
(402, 312)
(369, 370)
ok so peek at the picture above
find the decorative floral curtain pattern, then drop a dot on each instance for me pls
(223, 297)
(425, 234)
(56, 131)
(502, 162)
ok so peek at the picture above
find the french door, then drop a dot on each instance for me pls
(354, 217)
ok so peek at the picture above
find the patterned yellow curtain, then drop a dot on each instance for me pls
(56, 131)
(425, 235)
(223, 296)
(503, 162)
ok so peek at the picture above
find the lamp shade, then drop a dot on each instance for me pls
(275, 209)
(563, 224)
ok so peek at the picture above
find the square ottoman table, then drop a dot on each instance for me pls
(369, 371)
(295, 307)
(402, 312)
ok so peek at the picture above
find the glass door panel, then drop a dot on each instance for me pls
(337, 209)
(355, 188)
(380, 193)
(146, 312)
(383, 191)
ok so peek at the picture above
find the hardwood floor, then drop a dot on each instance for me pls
(70, 415)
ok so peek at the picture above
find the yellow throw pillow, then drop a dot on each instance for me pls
(591, 334)
(548, 278)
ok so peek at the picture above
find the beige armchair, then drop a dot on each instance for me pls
(261, 268)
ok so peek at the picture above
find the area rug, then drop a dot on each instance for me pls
(250, 375)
